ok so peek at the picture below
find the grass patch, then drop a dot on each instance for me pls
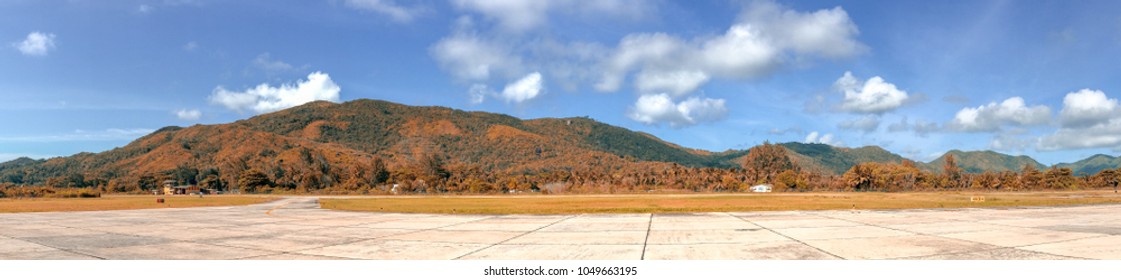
(661, 203)
(123, 202)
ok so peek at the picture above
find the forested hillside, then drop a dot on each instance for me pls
(369, 146)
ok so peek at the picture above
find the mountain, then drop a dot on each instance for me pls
(325, 143)
(982, 161)
(385, 128)
(835, 160)
(8, 170)
(1093, 164)
(336, 138)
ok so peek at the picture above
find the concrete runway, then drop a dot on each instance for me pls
(296, 229)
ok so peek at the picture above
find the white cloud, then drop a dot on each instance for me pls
(524, 89)
(636, 49)
(874, 96)
(387, 7)
(188, 115)
(677, 83)
(265, 98)
(766, 36)
(36, 44)
(864, 124)
(144, 9)
(743, 52)
(1101, 135)
(993, 117)
(265, 62)
(1089, 119)
(519, 16)
(816, 138)
(827, 33)
(565, 64)
(512, 15)
(479, 92)
(660, 108)
(469, 57)
(1086, 108)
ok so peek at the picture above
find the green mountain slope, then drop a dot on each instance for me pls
(982, 161)
(1093, 164)
(835, 160)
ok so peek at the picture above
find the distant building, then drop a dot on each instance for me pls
(170, 188)
(761, 188)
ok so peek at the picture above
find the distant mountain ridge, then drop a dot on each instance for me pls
(983, 161)
(343, 137)
(836, 160)
(1093, 164)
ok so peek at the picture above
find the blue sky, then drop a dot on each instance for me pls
(919, 78)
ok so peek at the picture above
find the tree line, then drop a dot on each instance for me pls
(432, 173)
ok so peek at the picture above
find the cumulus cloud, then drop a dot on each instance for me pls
(1089, 119)
(864, 124)
(994, 116)
(1101, 135)
(874, 96)
(265, 98)
(677, 83)
(525, 89)
(765, 36)
(36, 44)
(743, 52)
(636, 49)
(826, 33)
(389, 8)
(520, 16)
(660, 108)
(1086, 108)
(188, 115)
(470, 57)
(817, 138)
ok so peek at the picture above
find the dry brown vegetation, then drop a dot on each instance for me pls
(369, 147)
(11, 205)
(662, 203)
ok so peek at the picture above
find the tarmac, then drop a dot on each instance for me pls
(296, 229)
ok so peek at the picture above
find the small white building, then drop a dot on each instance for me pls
(761, 188)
